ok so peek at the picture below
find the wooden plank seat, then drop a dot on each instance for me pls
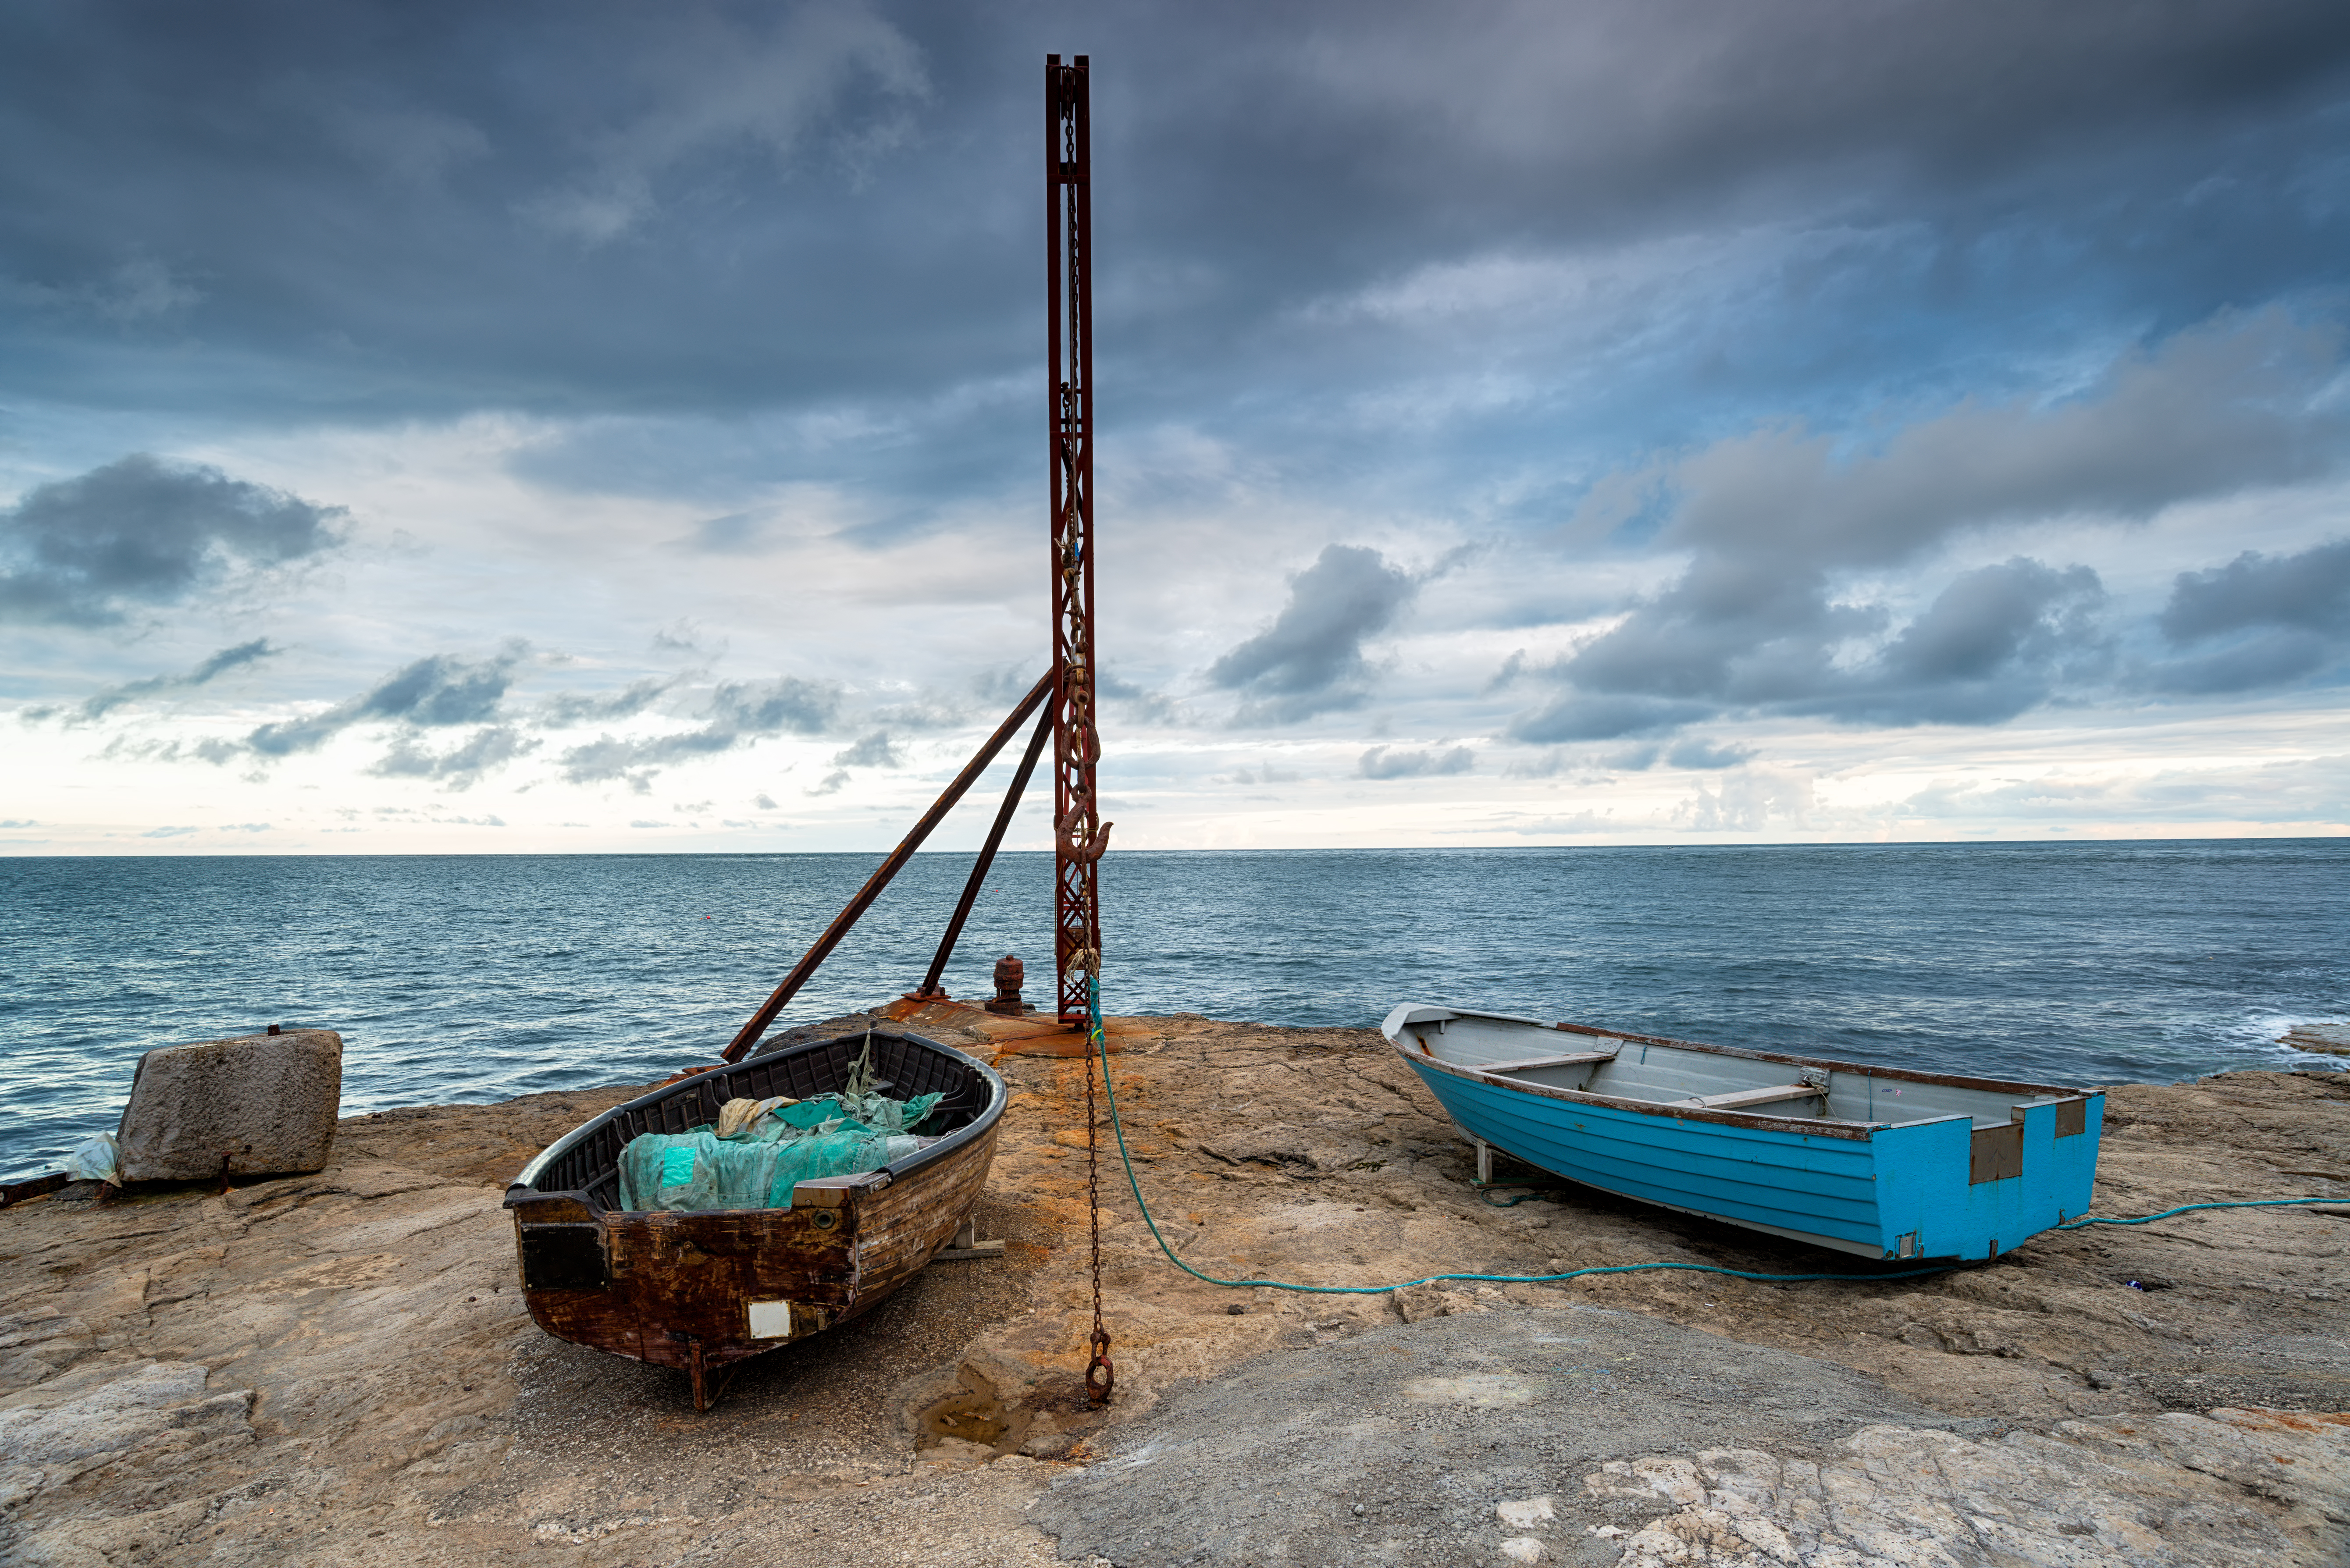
(1739, 1099)
(1525, 1063)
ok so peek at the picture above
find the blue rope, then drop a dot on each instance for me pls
(2191, 1207)
(1097, 1040)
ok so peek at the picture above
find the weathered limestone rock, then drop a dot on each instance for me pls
(2332, 1037)
(2189, 1490)
(116, 1410)
(266, 1102)
(1419, 1302)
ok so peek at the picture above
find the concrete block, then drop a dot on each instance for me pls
(268, 1101)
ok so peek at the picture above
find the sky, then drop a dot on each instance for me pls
(604, 427)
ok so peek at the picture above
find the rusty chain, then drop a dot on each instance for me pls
(1101, 1376)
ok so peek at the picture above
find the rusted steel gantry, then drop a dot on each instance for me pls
(1079, 835)
(1069, 689)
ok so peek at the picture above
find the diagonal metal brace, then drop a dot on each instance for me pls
(748, 1035)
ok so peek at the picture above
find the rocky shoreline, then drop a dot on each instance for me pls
(336, 1368)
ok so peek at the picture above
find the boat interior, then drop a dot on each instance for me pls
(1593, 1062)
(586, 1160)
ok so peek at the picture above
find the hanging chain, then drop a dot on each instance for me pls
(1101, 1376)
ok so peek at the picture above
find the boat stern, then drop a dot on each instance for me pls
(1971, 1189)
(690, 1289)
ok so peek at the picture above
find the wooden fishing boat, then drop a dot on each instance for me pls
(701, 1291)
(1869, 1160)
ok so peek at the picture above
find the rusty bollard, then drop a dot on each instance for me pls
(1008, 974)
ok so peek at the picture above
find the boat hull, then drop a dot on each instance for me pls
(699, 1291)
(1962, 1185)
(735, 1283)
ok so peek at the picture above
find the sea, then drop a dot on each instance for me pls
(477, 978)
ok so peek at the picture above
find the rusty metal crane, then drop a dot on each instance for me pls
(1079, 835)
(1068, 689)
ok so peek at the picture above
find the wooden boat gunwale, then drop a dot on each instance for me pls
(524, 1189)
(1817, 1127)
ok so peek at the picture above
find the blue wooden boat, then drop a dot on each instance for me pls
(1870, 1160)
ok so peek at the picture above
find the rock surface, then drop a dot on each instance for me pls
(1404, 1439)
(2332, 1038)
(1521, 1436)
(373, 1393)
(2240, 1487)
(264, 1103)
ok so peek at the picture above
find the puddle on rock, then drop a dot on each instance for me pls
(1045, 1419)
(974, 1416)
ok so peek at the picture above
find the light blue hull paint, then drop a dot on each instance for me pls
(1857, 1195)
(1922, 1171)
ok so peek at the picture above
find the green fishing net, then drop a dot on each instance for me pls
(689, 1172)
(857, 1129)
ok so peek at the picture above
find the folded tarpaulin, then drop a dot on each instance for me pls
(736, 1118)
(95, 1158)
(695, 1171)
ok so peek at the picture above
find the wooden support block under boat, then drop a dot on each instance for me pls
(700, 1290)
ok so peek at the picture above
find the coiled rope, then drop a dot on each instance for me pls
(1099, 1041)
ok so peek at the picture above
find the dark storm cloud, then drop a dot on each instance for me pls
(1697, 753)
(2310, 590)
(740, 713)
(1701, 100)
(1733, 629)
(784, 705)
(219, 664)
(764, 84)
(435, 691)
(1581, 717)
(2273, 620)
(461, 766)
(426, 206)
(1776, 522)
(140, 531)
(2274, 656)
(875, 751)
(2239, 401)
(608, 757)
(1994, 643)
(1310, 659)
(1968, 183)
(422, 206)
(567, 708)
(1986, 620)
(1393, 762)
